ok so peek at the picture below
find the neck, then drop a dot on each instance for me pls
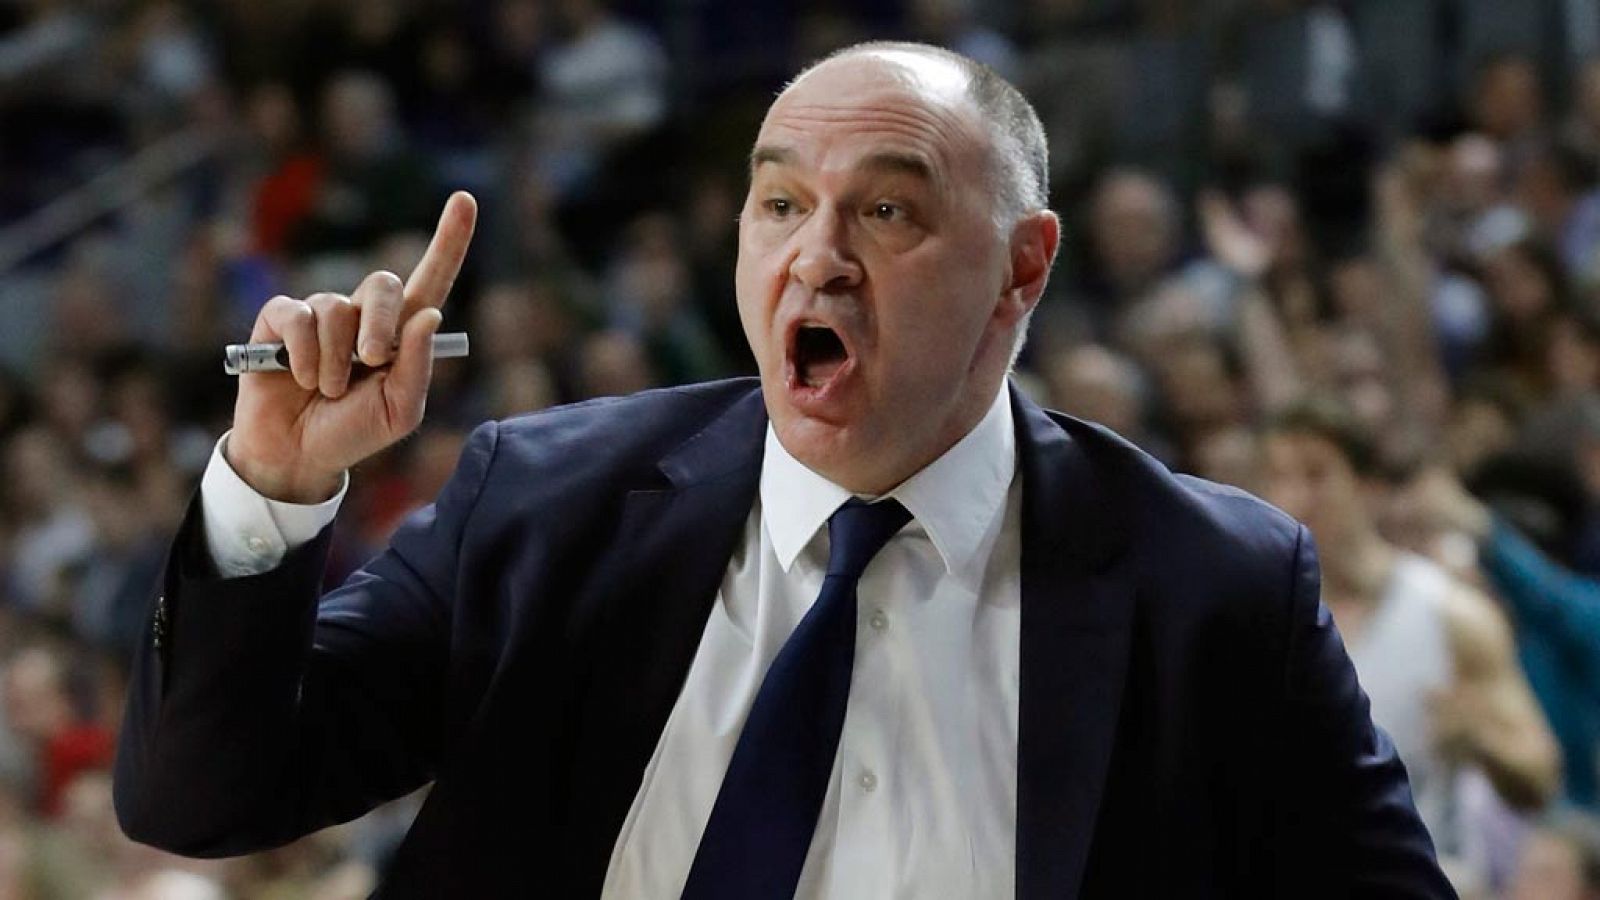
(1356, 568)
(964, 417)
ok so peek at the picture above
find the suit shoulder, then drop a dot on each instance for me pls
(620, 430)
(1234, 511)
(1169, 507)
(1212, 563)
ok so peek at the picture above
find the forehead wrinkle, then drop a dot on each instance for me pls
(908, 111)
(919, 133)
(896, 158)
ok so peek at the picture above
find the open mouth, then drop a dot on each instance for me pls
(819, 354)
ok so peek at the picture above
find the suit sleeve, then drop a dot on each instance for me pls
(1347, 824)
(258, 712)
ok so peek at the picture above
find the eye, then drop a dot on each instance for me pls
(780, 207)
(887, 212)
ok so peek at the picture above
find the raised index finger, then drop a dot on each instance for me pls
(430, 282)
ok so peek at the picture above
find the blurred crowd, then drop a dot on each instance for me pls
(1344, 255)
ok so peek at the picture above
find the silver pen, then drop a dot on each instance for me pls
(274, 357)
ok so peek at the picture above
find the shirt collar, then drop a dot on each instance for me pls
(954, 499)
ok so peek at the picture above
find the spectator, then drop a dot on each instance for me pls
(1135, 233)
(1527, 286)
(292, 172)
(1435, 657)
(604, 84)
(43, 706)
(173, 61)
(1574, 351)
(1557, 619)
(1095, 383)
(1484, 423)
(53, 533)
(1391, 201)
(614, 363)
(108, 596)
(1557, 189)
(88, 321)
(1131, 244)
(647, 292)
(521, 386)
(1506, 102)
(374, 184)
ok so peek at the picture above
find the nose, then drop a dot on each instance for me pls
(824, 260)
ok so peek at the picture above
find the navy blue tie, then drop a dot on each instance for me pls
(760, 829)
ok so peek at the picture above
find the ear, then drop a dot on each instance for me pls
(1034, 241)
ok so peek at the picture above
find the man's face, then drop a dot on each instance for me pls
(1308, 477)
(1132, 231)
(872, 277)
(35, 707)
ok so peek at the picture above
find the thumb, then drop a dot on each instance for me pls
(406, 388)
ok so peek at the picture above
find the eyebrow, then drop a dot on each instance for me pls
(765, 153)
(890, 161)
(903, 163)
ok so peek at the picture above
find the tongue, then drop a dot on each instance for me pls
(819, 372)
(820, 355)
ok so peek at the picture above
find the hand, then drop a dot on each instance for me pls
(295, 433)
(1445, 504)
(1229, 240)
(1399, 189)
(1453, 715)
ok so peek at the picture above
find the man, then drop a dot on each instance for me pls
(632, 660)
(1435, 656)
(44, 706)
(1555, 610)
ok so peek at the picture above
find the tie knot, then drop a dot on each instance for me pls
(858, 530)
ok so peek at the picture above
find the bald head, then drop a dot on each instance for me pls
(1019, 154)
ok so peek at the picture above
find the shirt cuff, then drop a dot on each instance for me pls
(247, 533)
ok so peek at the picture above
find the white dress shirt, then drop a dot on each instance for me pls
(922, 802)
(248, 533)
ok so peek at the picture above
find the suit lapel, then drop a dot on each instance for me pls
(672, 546)
(1077, 605)
(648, 612)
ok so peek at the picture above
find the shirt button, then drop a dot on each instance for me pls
(257, 544)
(879, 620)
(868, 781)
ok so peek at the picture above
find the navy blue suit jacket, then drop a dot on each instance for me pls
(1190, 725)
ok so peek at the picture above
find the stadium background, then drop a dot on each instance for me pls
(1391, 203)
